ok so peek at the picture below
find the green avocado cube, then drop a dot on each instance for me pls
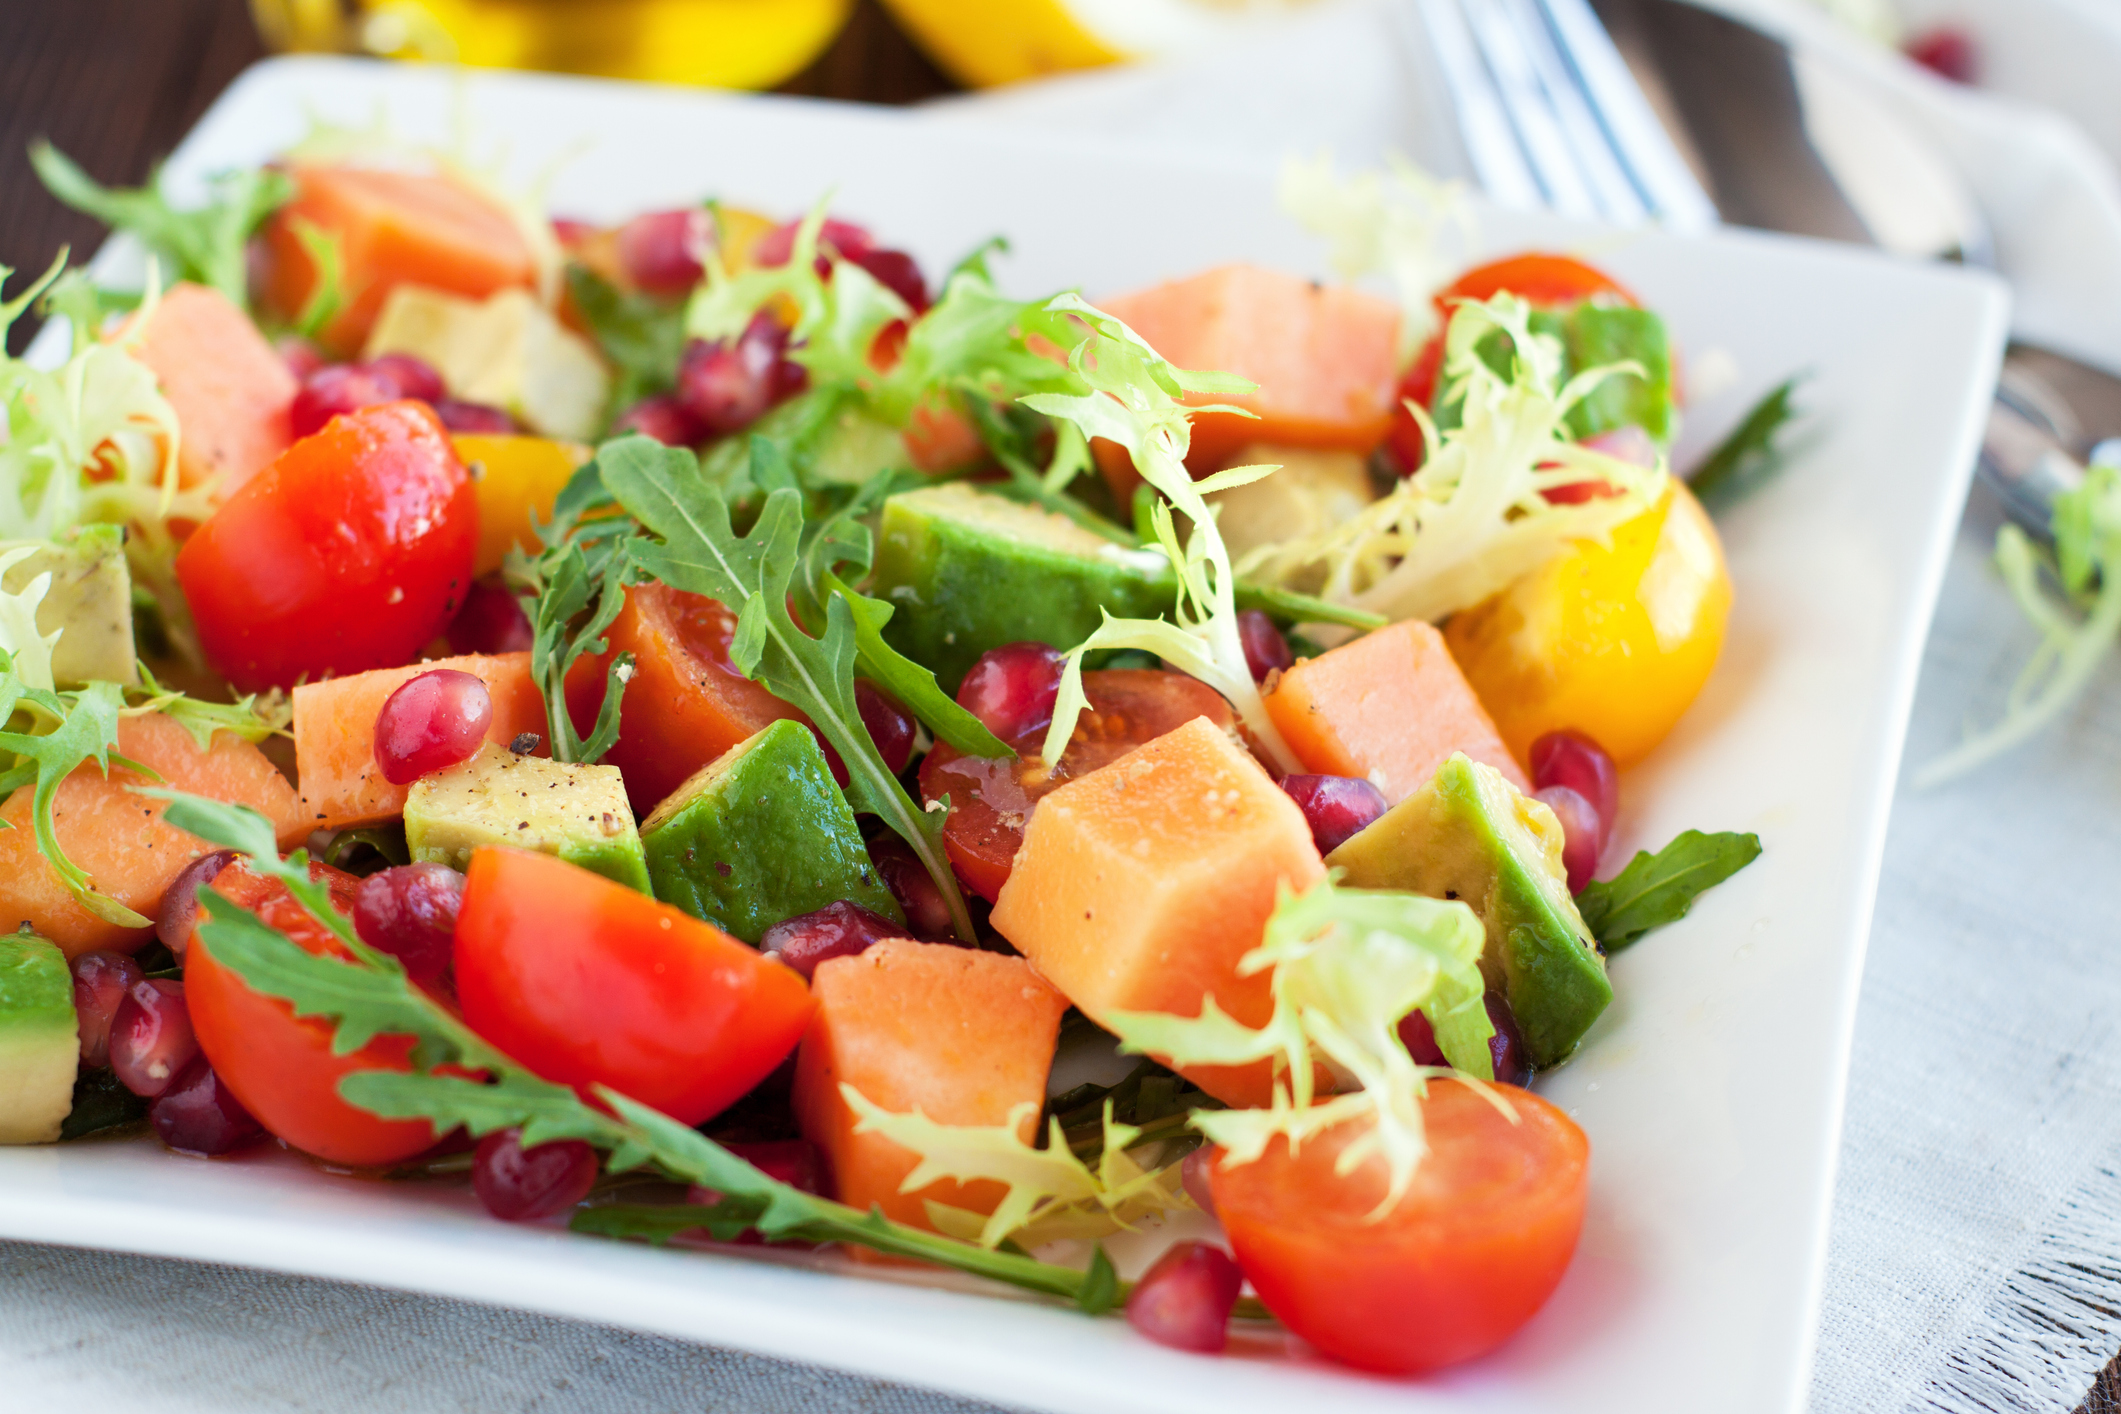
(89, 603)
(40, 1047)
(578, 812)
(968, 571)
(761, 834)
(1469, 834)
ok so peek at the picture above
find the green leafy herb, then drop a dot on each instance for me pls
(1749, 456)
(573, 590)
(2077, 626)
(1656, 889)
(643, 337)
(254, 717)
(329, 297)
(698, 551)
(206, 245)
(366, 994)
(101, 1103)
(1151, 1097)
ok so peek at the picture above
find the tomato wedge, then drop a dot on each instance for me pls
(1543, 281)
(992, 798)
(1473, 1250)
(686, 703)
(590, 983)
(279, 1065)
(350, 552)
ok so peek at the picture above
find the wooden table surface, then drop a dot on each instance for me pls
(115, 83)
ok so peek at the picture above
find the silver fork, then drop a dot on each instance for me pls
(1550, 115)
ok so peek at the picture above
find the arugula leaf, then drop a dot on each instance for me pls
(206, 245)
(367, 994)
(1656, 889)
(329, 297)
(1749, 455)
(583, 570)
(643, 337)
(101, 1103)
(254, 717)
(698, 551)
(87, 730)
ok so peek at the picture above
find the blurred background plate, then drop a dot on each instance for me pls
(1712, 1090)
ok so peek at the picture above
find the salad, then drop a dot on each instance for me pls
(713, 734)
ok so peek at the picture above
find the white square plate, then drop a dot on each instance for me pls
(1712, 1090)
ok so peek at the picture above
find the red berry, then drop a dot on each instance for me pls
(1581, 831)
(197, 1114)
(520, 1185)
(414, 377)
(927, 915)
(180, 901)
(1193, 1174)
(726, 385)
(661, 251)
(335, 390)
(1335, 807)
(896, 271)
(410, 912)
(664, 418)
(1012, 688)
(491, 621)
(1949, 51)
(1569, 758)
(151, 1039)
(1266, 650)
(840, 929)
(1184, 1299)
(460, 416)
(431, 722)
(1505, 1047)
(101, 980)
(841, 238)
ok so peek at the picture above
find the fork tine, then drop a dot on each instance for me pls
(1668, 186)
(1601, 167)
(1532, 116)
(1483, 125)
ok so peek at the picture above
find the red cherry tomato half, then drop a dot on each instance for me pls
(590, 983)
(351, 551)
(280, 1065)
(1475, 1247)
(1542, 281)
(991, 799)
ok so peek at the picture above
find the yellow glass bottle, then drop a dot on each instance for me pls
(720, 43)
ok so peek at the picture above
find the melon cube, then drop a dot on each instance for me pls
(1140, 885)
(962, 1035)
(1390, 707)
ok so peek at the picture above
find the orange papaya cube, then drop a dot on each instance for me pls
(1141, 884)
(335, 734)
(1390, 706)
(230, 391)
(118, 837)
(393, 228)
(1325, 357)
(963, 1036)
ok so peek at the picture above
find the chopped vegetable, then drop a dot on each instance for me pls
(1749, 455)
(1656, 889)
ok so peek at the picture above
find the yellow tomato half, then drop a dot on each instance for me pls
(1613, 640)
(513, 477)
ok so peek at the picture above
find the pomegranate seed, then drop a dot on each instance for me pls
(1335, 807)
(1572, 759)
(896, 271)
(1012, 688)
(198, 1115)
(890, 725)
(520, 1185)
(911, 884)
(840, 929)
(335, 390)
(410, 912)
(300, 355)
(1266, 650)
(727, 386)
(661, 251)
(491, 621)
(1505, 1047)
(1581, 830)
(151, 1038)
(1948, 51)
(664, 418)
(460, 416)
(180, 901)
(1184, 1300)
(1193, 1173)
(841, 238)
(432, 721)
(571, 231)
(413, 377)
(101, 980)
